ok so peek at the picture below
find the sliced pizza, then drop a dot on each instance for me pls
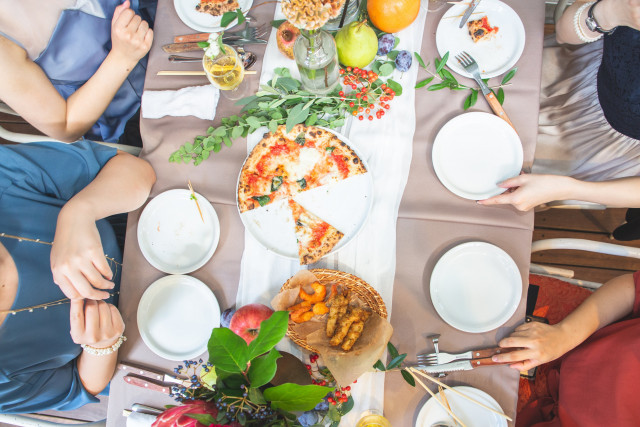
(217, 7)
(316, 237)
(480, 29)
(285, 163)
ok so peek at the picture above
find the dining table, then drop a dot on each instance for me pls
(430, 220)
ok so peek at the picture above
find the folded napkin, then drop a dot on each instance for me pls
(199, 101)
(138, 419)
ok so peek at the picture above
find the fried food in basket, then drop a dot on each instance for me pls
(339, 302)
(355, 314)
(311, 305)
(355, 331)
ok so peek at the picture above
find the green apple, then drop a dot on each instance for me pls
(357, 44)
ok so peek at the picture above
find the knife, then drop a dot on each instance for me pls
(468, 13)
(193, 46)
(492, 100)
(460, 365)
(149, 373)
(148, 384)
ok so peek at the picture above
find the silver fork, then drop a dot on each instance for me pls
(471, 66)
(249, 32)
(440, 357)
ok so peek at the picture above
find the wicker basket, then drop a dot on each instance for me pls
(369, 296)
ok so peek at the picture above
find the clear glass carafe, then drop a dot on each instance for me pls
(317, 59)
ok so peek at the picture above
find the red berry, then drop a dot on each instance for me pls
(364, 98)
(355, 381)
(371, 105)
(330, 400)
(383, 86)
(323, 382)
(354, 87)
(348, 388)
(344, 399)
(308, 367)
(360, 117)
(341, 71)
(364, 89)
(342, 98)
(370, 117)
(358, 95)
(351, 104)
(393, 93)
(341, 93)
(387, 106)
(355, 113)
(367, 110)
(356, 70)
(333, 402)
(349, 69)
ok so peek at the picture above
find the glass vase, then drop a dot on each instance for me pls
(316, 55)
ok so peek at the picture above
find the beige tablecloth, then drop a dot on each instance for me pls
(432, 220)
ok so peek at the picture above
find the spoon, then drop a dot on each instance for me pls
(248, 58)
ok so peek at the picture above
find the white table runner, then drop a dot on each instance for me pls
(386, 145)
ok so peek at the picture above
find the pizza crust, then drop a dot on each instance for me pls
(480, 29)
(217, 7)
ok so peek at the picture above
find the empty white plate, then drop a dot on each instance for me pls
(474, 152)
(495, 55)
(176, 315)
(172, 235)
(469, 413)
(199, 21)
(476, 287)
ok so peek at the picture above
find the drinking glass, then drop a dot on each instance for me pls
(372, 418)
(226, 72)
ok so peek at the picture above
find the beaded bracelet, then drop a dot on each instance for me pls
(578, 29)
(104, 351)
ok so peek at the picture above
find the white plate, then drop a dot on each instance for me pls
(186, 10)
(476, 287)
(474, 152)
(176, 315)
(345, 205)
(494, 56)
(469, 413)
(171, 234)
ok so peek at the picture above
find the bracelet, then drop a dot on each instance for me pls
(578, 29)
(104, 351)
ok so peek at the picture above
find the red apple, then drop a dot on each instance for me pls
(246, 320)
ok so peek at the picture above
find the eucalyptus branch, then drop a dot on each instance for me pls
(447, 80)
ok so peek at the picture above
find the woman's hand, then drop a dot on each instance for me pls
(78, 263)
(95, 323)
(131, 37)
(540, 343)
(529, 190)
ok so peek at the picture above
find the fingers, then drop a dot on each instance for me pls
(122, 15)
(91, 319)
(104, 312)
(134, 24)
(76, 320)
(66, 287)
(116, 319)
(500, 199)
(513, 356)
(516, 341)
(102, 269)
(516, 181)
(84, 288)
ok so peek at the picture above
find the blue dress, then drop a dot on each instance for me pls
(37, 356)
(78, 46)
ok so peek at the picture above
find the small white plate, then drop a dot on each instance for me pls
(469, 413)
(494, 56)
(199, 21)
(345, 205)
(474, 152)
(176, 315)
(475, 287)
(172, 235)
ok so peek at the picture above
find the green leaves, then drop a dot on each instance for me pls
(509, 75)
(229, 17)
(298, 114)
(500, 96)
(263, 368)
(277, 22)
(395, 86)
(420, 60)
(471, 99)
(272, 330)
(424, 82)
(262, 200)
(408, 377)
(294, 397)
(227, 351)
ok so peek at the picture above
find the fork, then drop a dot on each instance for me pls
(249, 32)
(441, 358)
(471, 66)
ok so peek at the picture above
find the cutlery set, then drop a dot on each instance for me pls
(149, 378)
(445, 362)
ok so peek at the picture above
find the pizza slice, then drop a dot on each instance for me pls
(256, 190)
(480, 29)
(316, 238)
(217, 7)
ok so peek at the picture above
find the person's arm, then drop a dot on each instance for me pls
(99, 325)
(77, 257)
(608, 13)
(531, 190)
(543, 343)
(25, 87)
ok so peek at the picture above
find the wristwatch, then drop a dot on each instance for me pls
(593, 25)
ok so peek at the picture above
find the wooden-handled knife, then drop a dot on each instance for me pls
(147, 383)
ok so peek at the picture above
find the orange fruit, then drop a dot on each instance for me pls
(391, 16)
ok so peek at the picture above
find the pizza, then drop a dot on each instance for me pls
(217, 7)
(285, 163)
(480, 28)
(316, 237)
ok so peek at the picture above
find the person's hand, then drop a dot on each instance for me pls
(78, 263)
(95, 323)
(540, 343)
(612, 13)
(131, 37)
(527, 191)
